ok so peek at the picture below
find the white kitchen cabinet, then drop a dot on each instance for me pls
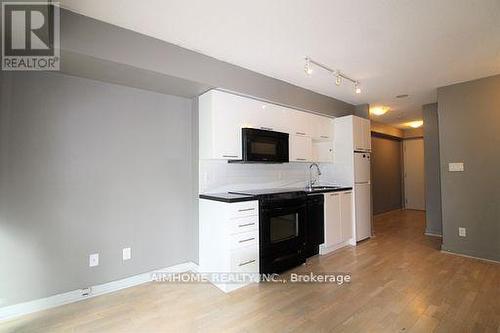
(300, 123)
(229, 240)
(300, 148)
(346, 216)
(338, 221)
(333, 226)
(361, 134)
(220, 119)
(323, 128)
(222, 115)
(322, 151)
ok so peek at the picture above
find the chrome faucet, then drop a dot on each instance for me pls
(312, 181)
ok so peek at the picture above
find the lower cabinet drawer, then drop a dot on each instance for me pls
(244, 239)
(243, 224)
(245, 259)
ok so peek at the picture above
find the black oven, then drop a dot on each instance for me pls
(264, 146)
(282, 231)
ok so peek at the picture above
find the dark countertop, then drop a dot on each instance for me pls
(234, 197)
(227, 197)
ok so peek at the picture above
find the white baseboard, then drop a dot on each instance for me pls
(325, 250)
(16, 310)
(433, 234)
(468, 256)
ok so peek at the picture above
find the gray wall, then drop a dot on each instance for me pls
(92, 39)
(90, 167)
(432, 176)
(469, 127)
(386, 174)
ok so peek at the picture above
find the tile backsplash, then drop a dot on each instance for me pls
(220, 176)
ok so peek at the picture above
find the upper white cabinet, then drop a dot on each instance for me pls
(222, 115)
(323, 128)
(362, 134)
(220, 125)
(352, 134)
(300, 148)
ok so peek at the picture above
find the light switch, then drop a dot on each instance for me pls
(127, 253)
(94, 260)
(456, 167)
(462, 232)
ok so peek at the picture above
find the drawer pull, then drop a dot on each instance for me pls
(300, 159)
(300, 133)
(230, 156)
(334, 194)
(246, 262)
(245, 209)
(246, 240)
(348, 192)
(245, 225)
(324, 136)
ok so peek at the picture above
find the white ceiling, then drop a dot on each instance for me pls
(391, 46)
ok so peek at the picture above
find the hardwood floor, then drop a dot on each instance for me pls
(400, 282)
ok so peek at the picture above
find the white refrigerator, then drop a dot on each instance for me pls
(362, 195)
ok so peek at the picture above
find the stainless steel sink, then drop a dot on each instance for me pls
(321, 188)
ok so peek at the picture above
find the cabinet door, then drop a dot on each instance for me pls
(367, 135)
(358, 134)
(300, 148)
(322, 151)
(226, 124)
(346, 215)
(300, 123)
(324, 128)
(333, 226)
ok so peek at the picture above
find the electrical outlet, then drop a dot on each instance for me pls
(456, 167)
(87, 291)
(462, 232)
(94, 260)
(127, 253)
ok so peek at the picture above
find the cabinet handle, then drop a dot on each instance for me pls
(245, 225)
(300, 133)
(334, 194)
(348, 192)
(324, 136)
(246, 262)
(300, 159)
(230, 156)
(266, 128)
(245, 209)
(246, 240)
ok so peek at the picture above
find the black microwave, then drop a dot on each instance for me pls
(264, 146)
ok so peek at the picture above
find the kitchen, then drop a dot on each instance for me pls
(302, 184)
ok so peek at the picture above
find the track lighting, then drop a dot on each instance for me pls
(307, 67)
(339, 76)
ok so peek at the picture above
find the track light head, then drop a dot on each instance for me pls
(307, 67)
(338, 80)
(357, 89)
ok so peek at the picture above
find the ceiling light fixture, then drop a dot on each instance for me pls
(339, 76)
(416, 124)
(379, 110)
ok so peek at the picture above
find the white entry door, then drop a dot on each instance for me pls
(414, 181)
